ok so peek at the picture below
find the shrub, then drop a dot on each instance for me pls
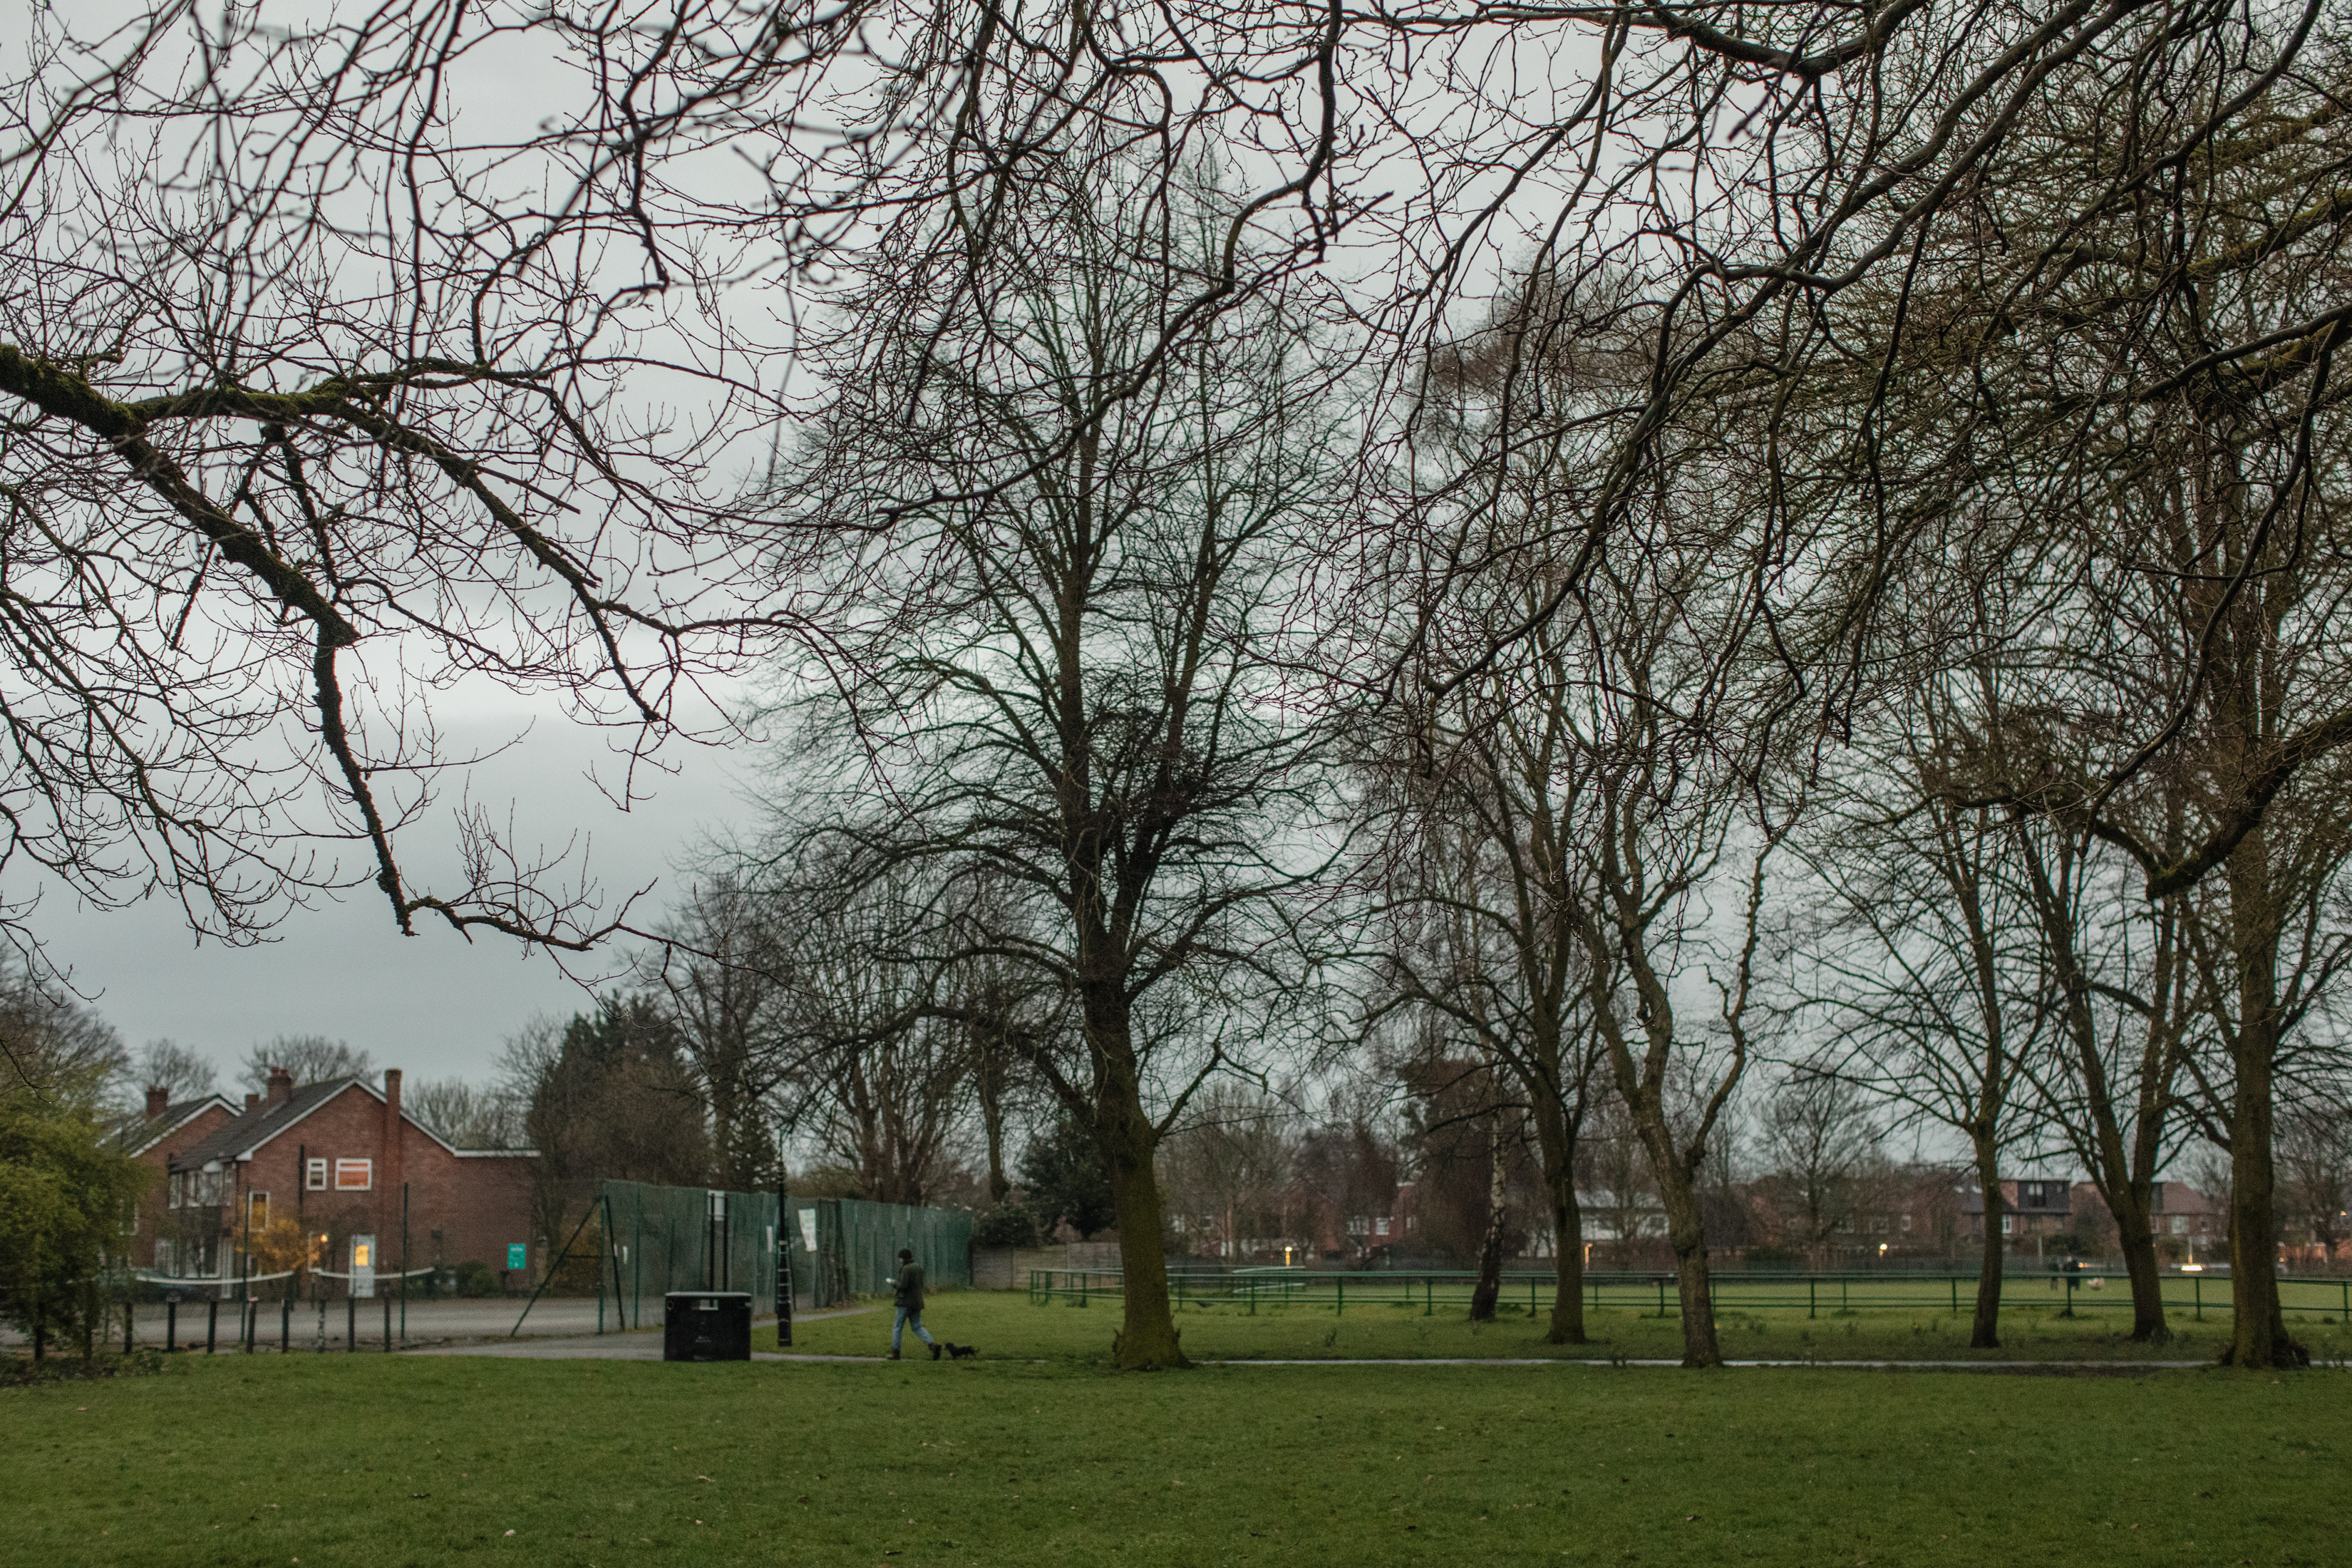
(476, 1279)
(1009, 1224)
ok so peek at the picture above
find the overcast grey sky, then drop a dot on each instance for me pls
(432, 1004)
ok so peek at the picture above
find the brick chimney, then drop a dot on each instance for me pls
(281, 1086)
(251, 1100)
(388, 1227)
(159, 1101)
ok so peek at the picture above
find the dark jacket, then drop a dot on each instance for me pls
(908, 1291)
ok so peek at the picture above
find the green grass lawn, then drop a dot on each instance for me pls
(1004, 1324)
(390, 1460)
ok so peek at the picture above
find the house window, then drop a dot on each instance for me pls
(172, 1191)
(163, 1258)
(2181, 1225)
(354, 1175)
(257, 1210)
(1381, 1227)
(1907, 1224)
(2007, 1224)
(316, 1177)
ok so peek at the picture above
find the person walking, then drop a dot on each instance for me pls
(906, 1295)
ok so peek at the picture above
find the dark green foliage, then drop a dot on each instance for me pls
(611, 1099)
(1064, 1174)
(67, 1194)
(475, 1277)
(1009, 1224)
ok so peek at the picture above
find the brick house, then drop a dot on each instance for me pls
(356, 1174)
(150, 1138)
(2031, 1209)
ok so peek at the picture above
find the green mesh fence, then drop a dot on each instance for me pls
(844, 1247)
(658, 1239)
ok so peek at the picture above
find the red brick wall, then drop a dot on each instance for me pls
(478, 1203)
(155, 1223)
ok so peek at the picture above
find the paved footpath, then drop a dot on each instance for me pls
(638, 1344)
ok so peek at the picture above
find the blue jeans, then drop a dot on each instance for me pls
(905, 1320)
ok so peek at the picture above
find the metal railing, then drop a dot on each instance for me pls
(1653, 1294)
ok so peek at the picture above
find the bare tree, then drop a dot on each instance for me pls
(467, 1115)
(179, 1072)
(2315, 1154)
(721, 972)
(311, 1059)
(312, 408)
(1823, 1167)
(1065, 651)
(1231, 1164)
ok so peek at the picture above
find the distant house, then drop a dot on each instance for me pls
(151, 1138)
(2189, 1223)
(370, 1191)
(2031, 1206)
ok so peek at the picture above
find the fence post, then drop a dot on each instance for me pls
(1342, 1310)
(1955, 1295)
(286, 1326)
(1428, 1295)
(2198, 1285)
(387, 1325)
(1812, 1297)
(351, 1324)
(211, 1322)
(1661, 1297)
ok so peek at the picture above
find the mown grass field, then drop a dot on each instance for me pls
(1005, 1323)
(394, 1460)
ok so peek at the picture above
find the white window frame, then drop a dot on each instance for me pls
(364, 1169)
(315, 1176)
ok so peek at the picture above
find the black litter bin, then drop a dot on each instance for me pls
(707, 1325)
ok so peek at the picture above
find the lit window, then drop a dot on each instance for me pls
(362, 1254)
(354, 1175)
(316, 1176)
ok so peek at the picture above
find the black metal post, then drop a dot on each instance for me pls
(403, 1263)
(286, 1326)
(172, 1321)
(212, 1324)
(387, 1325)
(351, 1323)
(252, 1310)
(783, 1270)
(130, 1322)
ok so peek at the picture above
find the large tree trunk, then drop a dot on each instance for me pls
(1489, 1288)
(2258, 1336)
(1557, 1150)
(2138, 1244)
(1984, 1331)
(1147, 1340)
(1686, 1231)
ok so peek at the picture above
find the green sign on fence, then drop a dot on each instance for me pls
(517, 1256)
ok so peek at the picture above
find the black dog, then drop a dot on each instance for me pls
(959, 1352)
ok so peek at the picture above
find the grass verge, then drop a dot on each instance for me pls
(1005, 1323)
(399, 1461)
